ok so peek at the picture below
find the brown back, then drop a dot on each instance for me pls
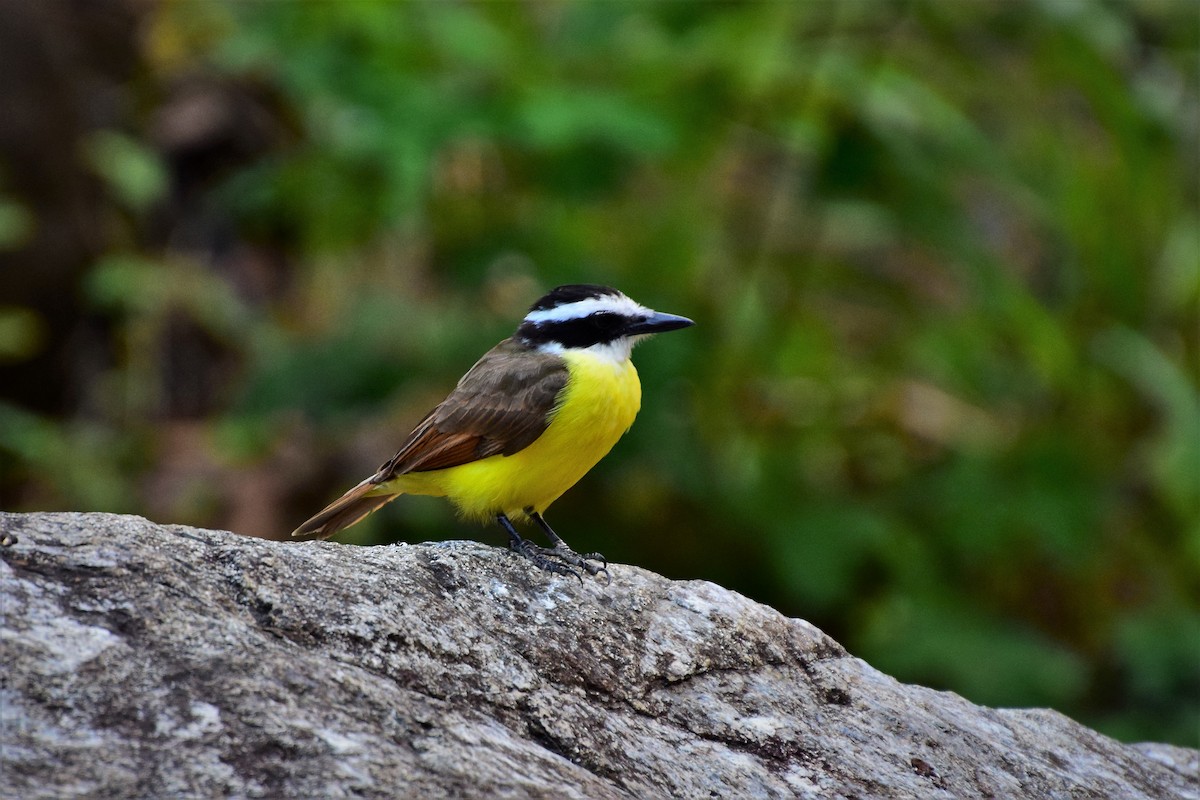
(501, 406)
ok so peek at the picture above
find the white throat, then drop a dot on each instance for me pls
(615, 352)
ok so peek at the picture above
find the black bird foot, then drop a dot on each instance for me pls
(562, 551)
(559, 559)
(544, 558)
(581, 560)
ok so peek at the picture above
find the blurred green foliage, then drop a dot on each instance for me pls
(942, 397)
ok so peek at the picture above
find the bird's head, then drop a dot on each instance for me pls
(588, 317)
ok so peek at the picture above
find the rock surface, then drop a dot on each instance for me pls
(148, 661)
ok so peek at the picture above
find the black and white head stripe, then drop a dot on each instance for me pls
(573, 293)
(584, 315)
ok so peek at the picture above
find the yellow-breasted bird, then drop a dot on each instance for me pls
(525, 423)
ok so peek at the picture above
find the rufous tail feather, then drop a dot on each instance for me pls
(343, 512)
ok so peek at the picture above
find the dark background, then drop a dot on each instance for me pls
(942, 396)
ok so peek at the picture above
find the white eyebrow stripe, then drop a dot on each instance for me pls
(617, 304)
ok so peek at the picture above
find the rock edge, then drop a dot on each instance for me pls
(146, 660)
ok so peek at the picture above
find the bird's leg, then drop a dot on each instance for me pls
(561, 550)
(531, 551)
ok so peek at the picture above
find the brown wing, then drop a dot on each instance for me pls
(499, 407)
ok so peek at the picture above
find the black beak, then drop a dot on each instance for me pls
(657, 323)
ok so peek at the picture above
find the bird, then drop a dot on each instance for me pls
(523, 425)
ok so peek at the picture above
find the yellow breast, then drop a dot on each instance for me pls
(599, 403)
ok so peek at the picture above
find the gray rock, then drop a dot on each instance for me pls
(149, 661)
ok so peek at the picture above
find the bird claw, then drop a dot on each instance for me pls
(582, 560)
(560, 559)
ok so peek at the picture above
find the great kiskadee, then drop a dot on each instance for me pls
(524, 424)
